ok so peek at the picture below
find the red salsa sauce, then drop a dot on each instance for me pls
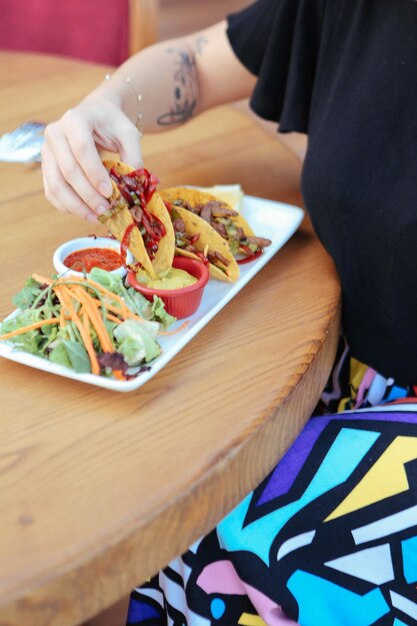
(84, 260)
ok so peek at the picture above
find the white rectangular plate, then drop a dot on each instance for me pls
(274, 220)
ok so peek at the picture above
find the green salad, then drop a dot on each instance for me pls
(93, 324)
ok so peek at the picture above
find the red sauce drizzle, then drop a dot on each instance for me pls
(154, 231)
(84, 260)
(142, 184)
(125, 243)
(250, 257)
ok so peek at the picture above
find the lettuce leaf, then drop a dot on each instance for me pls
(137, 341)
(29, 342)
(24, 298)
(71, 354)
(154, 311)
(109, 281)
(160, 315)
(25, 318)
(34, 341)
(78, 356)
(59, 355)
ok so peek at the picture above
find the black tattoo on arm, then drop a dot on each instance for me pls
(185, 90)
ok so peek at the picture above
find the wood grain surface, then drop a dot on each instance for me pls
(98, 490)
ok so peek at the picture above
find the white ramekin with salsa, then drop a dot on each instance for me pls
(79, 256)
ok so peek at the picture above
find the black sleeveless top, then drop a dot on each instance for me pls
(345, 72)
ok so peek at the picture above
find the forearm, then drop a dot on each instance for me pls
(177, 79)
(165, 76)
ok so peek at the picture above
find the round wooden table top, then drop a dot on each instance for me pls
(98, 489)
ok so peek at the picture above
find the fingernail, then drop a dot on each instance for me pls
(102, 209)
(105, 187)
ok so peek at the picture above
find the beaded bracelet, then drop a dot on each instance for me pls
(139, 98)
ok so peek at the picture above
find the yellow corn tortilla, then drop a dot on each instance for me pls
(196, 196)
(118, 221)
(121, 218)
(209, 240)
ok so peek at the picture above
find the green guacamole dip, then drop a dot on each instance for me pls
(173, 279)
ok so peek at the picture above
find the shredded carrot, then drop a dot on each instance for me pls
(26, 329)
(97, 322)
(63, 309)
(110, 307)
(174, 332)
(113, 318)
(86, 321)
(127, 315)
(85, 336)
(86, 281)
(93, 283)
(80, 295)
(119, 375)
(125, 311)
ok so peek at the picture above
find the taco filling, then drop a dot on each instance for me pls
(186, 241)
(225, 221)
(137, 188)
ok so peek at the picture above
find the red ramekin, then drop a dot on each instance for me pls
(178, 302)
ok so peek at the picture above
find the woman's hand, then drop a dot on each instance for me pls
(74, 177)
(176, 79)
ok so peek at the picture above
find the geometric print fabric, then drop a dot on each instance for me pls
(330, 543)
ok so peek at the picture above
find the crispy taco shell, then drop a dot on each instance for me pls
(118, 222)
(195, 197)
(209, 241)
(120, 219)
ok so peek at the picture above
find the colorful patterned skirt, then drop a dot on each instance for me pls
(330, 536)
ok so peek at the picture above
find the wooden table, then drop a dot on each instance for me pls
(98, 490)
